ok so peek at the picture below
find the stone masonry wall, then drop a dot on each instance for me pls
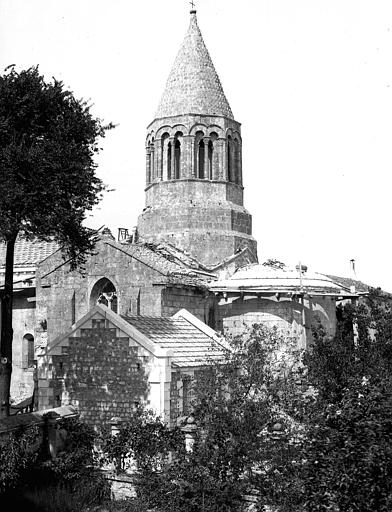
(63, 296)
(290, 316)
(24, 322)
(102, 374)
(199, 303)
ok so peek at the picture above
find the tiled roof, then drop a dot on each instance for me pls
(347, 281)
(29, 253)
(190, 345)
(262, 278)
(173, 271)
(193, 86)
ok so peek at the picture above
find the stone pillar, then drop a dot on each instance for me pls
(223, 160)
(187, 157)
(115, 424)
(51, 420)
(190, 433)
(148, 165)
(152, 153)
(239, 162)
(158, 159)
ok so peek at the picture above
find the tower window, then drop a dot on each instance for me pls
(169, 160)
(201, 160)
(237, 173)
(210, 156)
(230, 176)
(177, 160)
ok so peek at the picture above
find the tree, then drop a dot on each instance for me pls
(236, 404)
(48, 141)
(347, 449)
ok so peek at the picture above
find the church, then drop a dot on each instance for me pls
(150, 309)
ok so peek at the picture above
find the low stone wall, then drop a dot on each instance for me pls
(44, 420)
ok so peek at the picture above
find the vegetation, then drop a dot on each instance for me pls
(300, 432)
(48, 140)
(31, 479)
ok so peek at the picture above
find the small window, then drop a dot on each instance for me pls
(28, 351)
(201, 160)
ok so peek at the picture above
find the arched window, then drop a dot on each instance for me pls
(210, 158)
(169, 159)
(28, 351)
(230, 176)
(201, 173)
(177, 160)
(236, 158)
(104, 292)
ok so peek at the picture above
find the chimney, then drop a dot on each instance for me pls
(122, 234)
(134, 235)
(353, 275)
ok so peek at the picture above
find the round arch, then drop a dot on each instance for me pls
(104, 292)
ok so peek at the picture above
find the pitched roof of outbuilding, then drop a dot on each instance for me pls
(28, 253)
(193, 86)
(190, 345)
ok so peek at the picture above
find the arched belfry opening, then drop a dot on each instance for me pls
(104, 292)
(237, 162)
(210, 159)
(201, 151)
(169, 160)
(230, 170)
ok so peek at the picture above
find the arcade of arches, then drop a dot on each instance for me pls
(199, 156)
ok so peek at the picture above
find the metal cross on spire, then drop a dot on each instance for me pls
(192, 5)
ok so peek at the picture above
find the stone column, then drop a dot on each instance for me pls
(223, 160)
(148, 165)
(51, 418)
(190, 433)
(187, 156)
(158, 159)
(239, 162)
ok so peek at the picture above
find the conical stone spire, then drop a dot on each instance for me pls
(193, 86)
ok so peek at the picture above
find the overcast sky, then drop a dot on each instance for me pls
(310, 81)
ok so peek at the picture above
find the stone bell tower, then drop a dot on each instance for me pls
(194, 191)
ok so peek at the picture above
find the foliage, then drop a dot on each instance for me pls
(87, 494)
(236, 404)
(48, 140)
(347, 450)
(30, 478)
(144, 439)
(18, 452)
(76, 455)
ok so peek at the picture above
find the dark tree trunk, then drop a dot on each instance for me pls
(6, 330)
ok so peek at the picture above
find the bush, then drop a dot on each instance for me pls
(18, 453)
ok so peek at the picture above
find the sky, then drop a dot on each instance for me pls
(309, 80)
